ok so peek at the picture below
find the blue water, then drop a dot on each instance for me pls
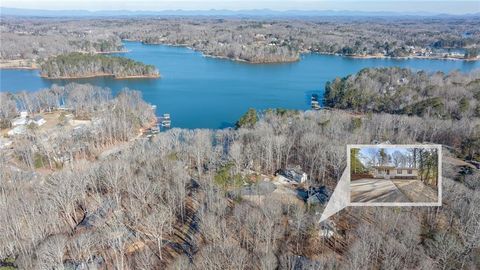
(204, 92)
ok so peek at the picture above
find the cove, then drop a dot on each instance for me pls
(205, 92)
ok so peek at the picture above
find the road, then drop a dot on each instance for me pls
(376, 190)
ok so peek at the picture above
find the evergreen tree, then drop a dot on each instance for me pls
(356, 166)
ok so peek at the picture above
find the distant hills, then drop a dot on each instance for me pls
(6, 11)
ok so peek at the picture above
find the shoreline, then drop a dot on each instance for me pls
(106, 52)
(28, 64)
(23, 68)
(250, 62)
(14, 64)
(103, 75)
(111, 52)
(309, 52)
(7, 65)
(407, 57)
(218, 56)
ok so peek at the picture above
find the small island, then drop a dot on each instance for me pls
(82, 65)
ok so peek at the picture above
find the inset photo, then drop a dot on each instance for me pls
(395, 175)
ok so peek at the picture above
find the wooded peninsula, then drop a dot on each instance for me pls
(80, 65)
(403, 91)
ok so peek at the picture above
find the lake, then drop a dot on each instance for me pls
(205, 92)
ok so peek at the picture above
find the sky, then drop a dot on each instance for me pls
(451, 7)
(366, 153)
(388, 150)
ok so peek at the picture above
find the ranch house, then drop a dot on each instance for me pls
(390, 172)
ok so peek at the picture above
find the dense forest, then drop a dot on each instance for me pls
(102, 196)
(402, 91)
(251, 40)
(77, 65)
(40, 41)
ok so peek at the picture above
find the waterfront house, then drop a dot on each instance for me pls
(38, 120)
(390, 172)
(318, 195)
(22, 120)
(19, 121)
(293, 174)
(64, 108)
(5, 143)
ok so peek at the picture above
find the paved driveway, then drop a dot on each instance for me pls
(417, 191)
(375, 190)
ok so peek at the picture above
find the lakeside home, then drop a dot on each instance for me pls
(293, 174)
(4, 143)
(19, 121)
(392, 172)
(38, 120)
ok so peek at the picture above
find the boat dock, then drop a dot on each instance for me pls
(165, 120)
(162, 123)
(314, 102)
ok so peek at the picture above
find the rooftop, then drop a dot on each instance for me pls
(393, 167)
(384, 167)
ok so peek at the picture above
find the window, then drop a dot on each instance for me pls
(399, 171)
(409, 171)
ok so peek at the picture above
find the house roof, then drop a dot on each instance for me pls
(5, 142)
(19, 120)
(393, 167)
(384, 167)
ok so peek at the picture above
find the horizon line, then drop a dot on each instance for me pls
(273, 10)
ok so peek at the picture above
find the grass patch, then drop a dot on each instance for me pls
(39, 161)
(7, 264)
